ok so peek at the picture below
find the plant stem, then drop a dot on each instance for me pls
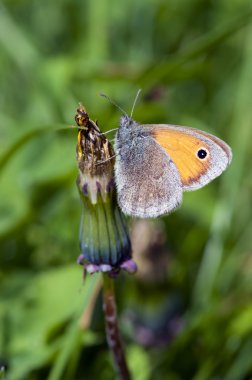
(112, 330)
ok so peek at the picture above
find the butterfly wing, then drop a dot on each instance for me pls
(148, 182)
(198, 156)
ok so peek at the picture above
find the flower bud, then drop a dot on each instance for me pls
(104, 240)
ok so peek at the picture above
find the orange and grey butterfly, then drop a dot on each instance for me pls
(157, 162)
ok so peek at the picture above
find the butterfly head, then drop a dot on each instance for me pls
(126, 122)
(126, 132)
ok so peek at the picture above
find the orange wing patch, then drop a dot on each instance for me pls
(183, 149)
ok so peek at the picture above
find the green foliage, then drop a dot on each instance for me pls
(193, 61)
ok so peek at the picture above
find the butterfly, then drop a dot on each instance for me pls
(156, 163)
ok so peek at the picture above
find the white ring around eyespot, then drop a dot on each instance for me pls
(207, 153)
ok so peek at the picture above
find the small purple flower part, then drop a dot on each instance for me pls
(110, 185)
(81, 260)
(85, 189)
(113, 271)
(98, 186)
(130, 266)
(105, 268)
(92, 268)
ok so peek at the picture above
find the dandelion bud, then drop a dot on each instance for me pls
(104, 240)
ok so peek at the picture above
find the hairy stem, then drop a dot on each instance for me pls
(112, 330)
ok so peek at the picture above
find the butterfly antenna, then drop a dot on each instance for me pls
(111, 130)
(112, 102)
(137, 96)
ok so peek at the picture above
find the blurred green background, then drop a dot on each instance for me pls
(193, 61)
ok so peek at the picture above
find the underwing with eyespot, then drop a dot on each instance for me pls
(155, 163)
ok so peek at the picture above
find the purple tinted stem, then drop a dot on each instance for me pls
(112, 330)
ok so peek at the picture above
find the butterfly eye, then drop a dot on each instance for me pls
(202, 153)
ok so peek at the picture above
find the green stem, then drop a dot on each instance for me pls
(112, 330)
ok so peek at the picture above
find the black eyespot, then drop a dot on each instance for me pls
(202, 153)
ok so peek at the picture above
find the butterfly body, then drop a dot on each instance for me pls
(157, 162)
